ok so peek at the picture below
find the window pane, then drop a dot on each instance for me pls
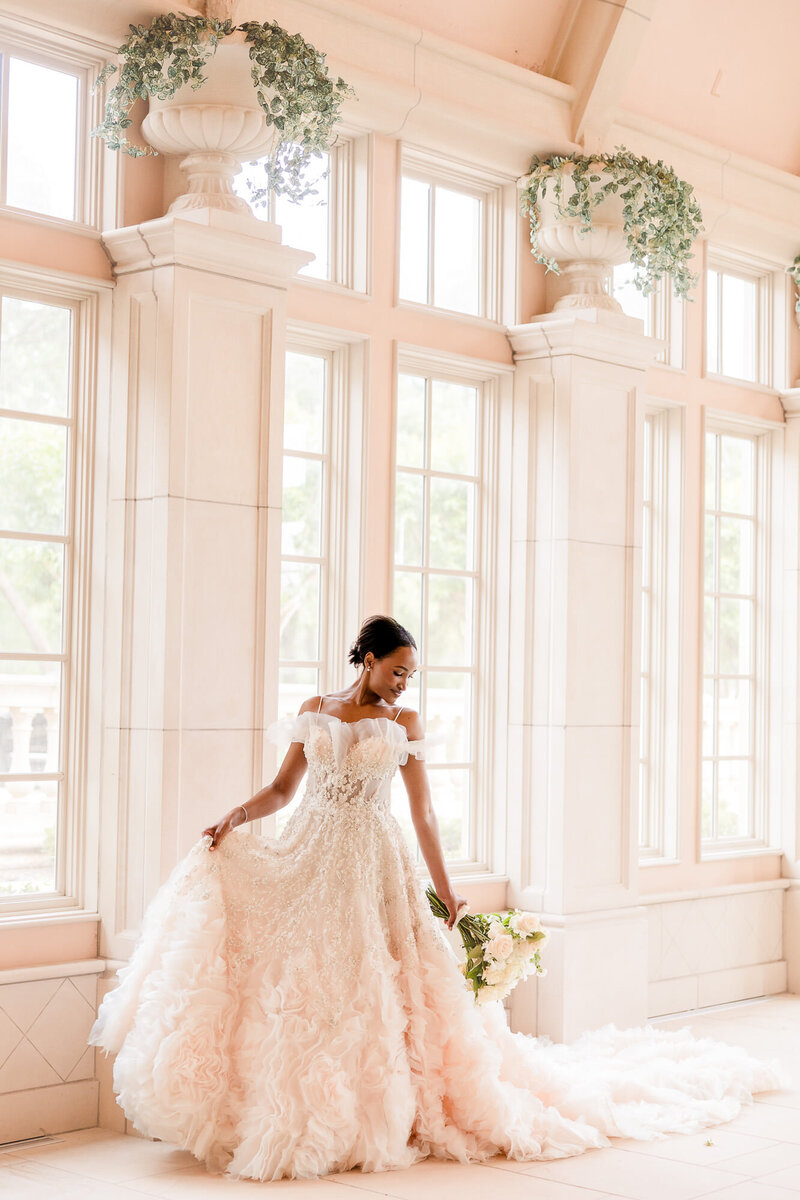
(736, 555)
(634, 304)
(452, 524)
(733, 804)
(448, 712)
(31, 583)
(739, 327)
(408, 603)
(28, 835)
(710, 557)
(709, 717)
(30, 706)
(301, 529)
(305, 225)
(711, 470)
(299, 636)
(737, 470)
(453, 427)
(42, 139)
(449, 621)
(33, 465)
(35, 341)
(450, 796)
(709, 630)
(457, 251)
(735, 631)
(734, 717)
(409, 510)
(414, 240)
(410, 421)
(707, 818)
(712, 322)
(304, 405)
(296, 684)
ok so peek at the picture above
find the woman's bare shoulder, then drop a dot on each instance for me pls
(411, 721)
(310, 705)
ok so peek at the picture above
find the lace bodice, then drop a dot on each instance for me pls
(349, 762)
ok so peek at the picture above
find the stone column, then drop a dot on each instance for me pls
(575, 694)
(790, 814)
(197, 420)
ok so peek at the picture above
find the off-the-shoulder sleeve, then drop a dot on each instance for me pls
(293, 728)
(420, 747)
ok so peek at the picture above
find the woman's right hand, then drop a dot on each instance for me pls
(229, 821)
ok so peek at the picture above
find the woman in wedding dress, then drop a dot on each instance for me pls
(293, 1008)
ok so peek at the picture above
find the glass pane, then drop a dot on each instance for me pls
(449, 621)
(733, 803)
(33, 466)
(299, 634)
(644, 720)
(301, 523)
(452, 522)
(410, 421)
(647, 518)
(407, 607)
(739, 327)
(735, 637)
(648, 460)
(737, 474)
(457, 251)
(31, 589)
(450, 796)
(645, 647)
(712, 322)
(709, 718)
(736, 560)
(625, 292)
(304, 405)
(734, 717)
(35, 353)
(30, 709)
(709, 629)
(414, 240)
(711, 470)
(644, 805)
(707, 819)
(709, 557)
(409, 518)
(296, 684)
(453, 419)
(28, 835)
(42, 139)
(305, 225)
(402, 814)
(448, 708)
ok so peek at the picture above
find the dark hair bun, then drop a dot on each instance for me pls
(379, 635)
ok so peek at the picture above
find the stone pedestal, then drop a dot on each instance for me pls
(197, 423)
(575, 694)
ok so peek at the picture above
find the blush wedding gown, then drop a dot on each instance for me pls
(293, 1008)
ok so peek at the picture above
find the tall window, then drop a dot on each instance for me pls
(663, 312)
(660, 649)
(437, 493)
(442, 259)
(304, 531)
(306, 225)
(738, 323)
(730, 810)
(36, 533)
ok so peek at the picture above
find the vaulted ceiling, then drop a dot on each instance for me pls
(723, 70)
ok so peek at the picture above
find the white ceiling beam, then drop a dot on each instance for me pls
(594, 51)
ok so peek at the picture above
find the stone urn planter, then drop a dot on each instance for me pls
(588, 213)
(222, 94)
(215, 129)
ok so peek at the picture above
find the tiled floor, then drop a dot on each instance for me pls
(755, 1157)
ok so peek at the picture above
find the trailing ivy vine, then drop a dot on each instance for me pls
(290, 79)
(660, 216)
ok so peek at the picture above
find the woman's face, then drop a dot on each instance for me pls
(389, 676)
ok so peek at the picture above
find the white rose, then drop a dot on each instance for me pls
(494, 973)
(524, 923)
(496, 929)
(501, 946)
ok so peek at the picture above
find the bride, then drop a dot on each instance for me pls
(293, 1008)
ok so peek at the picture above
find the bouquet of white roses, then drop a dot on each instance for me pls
(502, 948)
